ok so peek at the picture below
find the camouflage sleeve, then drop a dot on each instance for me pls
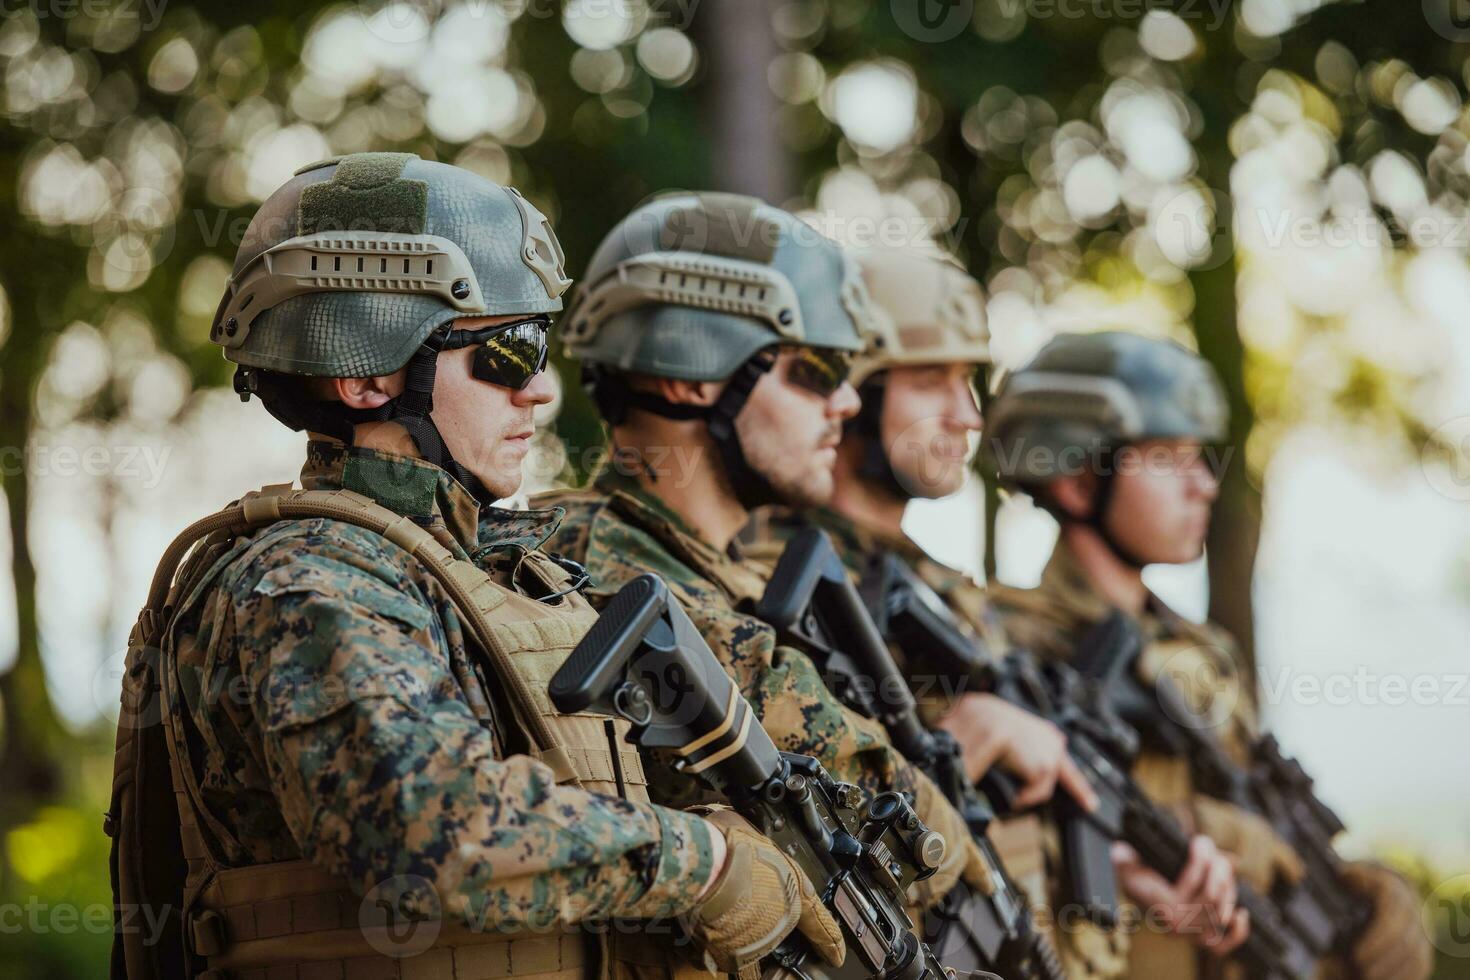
(794, 704)
(381, 768)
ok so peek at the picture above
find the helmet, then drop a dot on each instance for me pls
(348, 267)
(1085, 393)
(700, 287)
(930, 310)
(690, 286)
(356, 267)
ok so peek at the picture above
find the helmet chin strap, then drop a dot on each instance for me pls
(410, 409)
(1102, 505)
(875, 466)
(614, 398)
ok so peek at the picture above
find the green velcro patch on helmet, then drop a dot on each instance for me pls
(405, 487)
(366, 193)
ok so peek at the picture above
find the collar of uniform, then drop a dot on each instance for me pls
(417, 488)
(728, 569)
(1065, 581)
(404, 484)
(516, 530)
(860, 541)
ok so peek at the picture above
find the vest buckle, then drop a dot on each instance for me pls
(207, 933)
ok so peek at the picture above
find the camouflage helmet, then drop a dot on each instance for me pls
(929, 310)
(1085, 393)
(691, 286)
(348, 267)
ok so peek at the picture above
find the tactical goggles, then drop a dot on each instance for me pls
(820, 370)
(508, 354)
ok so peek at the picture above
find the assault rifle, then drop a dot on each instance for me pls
(644, 661)
(1322, 910)
(813, 604)
(1102, 746)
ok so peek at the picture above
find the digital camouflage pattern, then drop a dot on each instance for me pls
(1202, 659)
(1030, 847)
(619, 531)
(335, 714)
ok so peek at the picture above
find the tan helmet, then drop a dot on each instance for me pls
(930, 310)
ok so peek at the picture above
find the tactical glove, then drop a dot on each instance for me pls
(758, 899)
(1394, 945)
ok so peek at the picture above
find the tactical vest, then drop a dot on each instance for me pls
(292, 919)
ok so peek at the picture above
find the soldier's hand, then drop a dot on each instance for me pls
(757, 900)
(1394, 946)
(1200, 905)
(1262, 858)
(992, 732)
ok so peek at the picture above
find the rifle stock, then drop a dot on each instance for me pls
(813, 604)
(644, 661)
(1321, 911)
(1102, 745)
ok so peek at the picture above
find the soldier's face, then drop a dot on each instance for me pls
(790, 434)
(1160, 510)
(929, 414)
(486, 427)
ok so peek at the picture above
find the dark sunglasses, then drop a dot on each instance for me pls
(509, 355)
(820, 370)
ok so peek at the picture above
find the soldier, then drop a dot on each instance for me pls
(716, 334)
(351, 676)
(1106, 432)
(919, 382)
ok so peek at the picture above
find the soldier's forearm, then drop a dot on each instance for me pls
(499, 841)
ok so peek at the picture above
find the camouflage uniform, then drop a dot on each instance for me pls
(1030, 846)
(619, 531)
(336, 714)
(1052, 619)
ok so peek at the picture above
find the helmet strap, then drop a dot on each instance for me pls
(411, 409)
(1102, 505)
(751, 489)
(875, 466)
(614, 399)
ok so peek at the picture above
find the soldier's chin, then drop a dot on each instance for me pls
(810, 490)
(502, 484)
(936, 480)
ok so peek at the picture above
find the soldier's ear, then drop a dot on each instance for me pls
(367, 392)
(688, 392)
(1074, 494)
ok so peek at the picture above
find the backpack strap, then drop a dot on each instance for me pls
(468, 587)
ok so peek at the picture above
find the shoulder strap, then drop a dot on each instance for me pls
(462, 580)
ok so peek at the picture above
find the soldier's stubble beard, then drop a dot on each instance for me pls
(798, 469)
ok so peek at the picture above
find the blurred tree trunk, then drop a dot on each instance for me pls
(32, 747)
(747, 155)
(1235, 529)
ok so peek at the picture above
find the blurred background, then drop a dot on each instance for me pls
(1281, 184)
